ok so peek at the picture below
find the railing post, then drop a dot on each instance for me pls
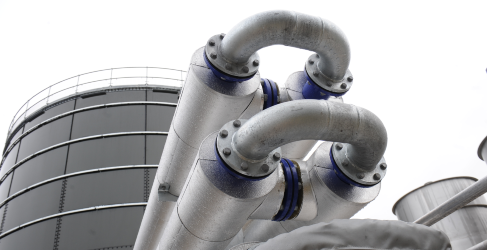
(48, 95)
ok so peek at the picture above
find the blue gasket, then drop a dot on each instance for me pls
(274, 92)
(230, 171)
(286, 201)
(312, 91)
(343, 177)
(222, 75)
(295, 189)
(267, 89)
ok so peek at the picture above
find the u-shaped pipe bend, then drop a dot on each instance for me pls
(238, 48)
(363, 133)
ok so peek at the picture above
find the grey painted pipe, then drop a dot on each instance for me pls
(454, 203)
(314, 120)
(291, 29)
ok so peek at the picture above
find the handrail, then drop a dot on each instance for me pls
(56, 91)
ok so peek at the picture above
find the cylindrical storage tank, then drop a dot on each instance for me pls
(80, 159)
(466, 227)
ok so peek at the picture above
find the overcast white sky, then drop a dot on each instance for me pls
(418, 65)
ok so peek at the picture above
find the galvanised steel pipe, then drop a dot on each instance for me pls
(362, 131)
(291, 29)
(453, 204)
(461, 199)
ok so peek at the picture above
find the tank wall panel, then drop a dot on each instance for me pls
(106, 152)
(42, 167)
(53, 133)
(36, 203)
(105, 188)
(154, 147)
(157, 117)
(39, 237)
(108, 120)
(161, 97)
(9, 160)
(5, 187)
(101, 229)
(57, 110)
(111, 97)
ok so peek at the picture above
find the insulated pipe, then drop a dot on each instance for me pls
(206, 103)
(314, 120)
(291, 29)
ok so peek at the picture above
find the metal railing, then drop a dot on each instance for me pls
(114, 77)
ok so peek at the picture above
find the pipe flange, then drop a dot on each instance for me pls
(354, 173)
(244, 70)
(237, 162)
(323, 81)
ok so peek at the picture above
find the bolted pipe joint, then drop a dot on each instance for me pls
(362, 136)
(234, 56)
(238, 165)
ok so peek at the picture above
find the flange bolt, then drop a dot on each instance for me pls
(277, 156)
(383, 166)
(350, 78)
(244, 166)
(360, 175)
(228, 66)
(222, 35)
(265, 168)
(311, 61)
(245, 69)
(339, 146)
(224, 133)
(300, 185)
(213, 55)
(328, 83)
(227, 151)
(343, 86)
(256, 62)
(315, 73)
(376, 176)
(212, 43)
(345, 163)
(237, 123)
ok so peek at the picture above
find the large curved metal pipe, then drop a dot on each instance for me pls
(291, 29)
(364, 133)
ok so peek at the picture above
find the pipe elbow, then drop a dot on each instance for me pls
(363, 133)
(235, 52)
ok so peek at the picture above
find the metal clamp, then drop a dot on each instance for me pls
(224, 69)
(238, 163)
(347, 171)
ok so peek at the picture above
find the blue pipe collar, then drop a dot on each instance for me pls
(222, 75)
(343, 177)
(269, 88)
(233, 173)
(291, 193)
(312, 91)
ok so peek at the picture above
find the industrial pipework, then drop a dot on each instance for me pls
(223, 84)
(235, 170)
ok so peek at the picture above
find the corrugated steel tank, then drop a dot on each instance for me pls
(466, 227)
(78, 165)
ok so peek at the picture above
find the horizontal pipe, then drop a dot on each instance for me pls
(454, 203)
(314, 120)
(291, 29)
